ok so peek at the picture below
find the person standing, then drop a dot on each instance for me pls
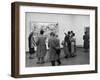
(58, 50)
(86, 41)
(68, 43)
(73, 45)
(65, 46)
(31, 45)
(53, 56)
(41, 47)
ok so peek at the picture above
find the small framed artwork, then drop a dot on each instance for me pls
(53, 39)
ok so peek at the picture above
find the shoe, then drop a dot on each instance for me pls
(66, 57)
(59, 64)
(38, 62)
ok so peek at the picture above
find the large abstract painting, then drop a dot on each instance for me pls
(47, 27)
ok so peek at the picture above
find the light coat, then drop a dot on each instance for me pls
(41, 46)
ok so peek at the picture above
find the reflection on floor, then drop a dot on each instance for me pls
(81, 58)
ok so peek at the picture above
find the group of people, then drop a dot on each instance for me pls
(69, 47)
(69, 44)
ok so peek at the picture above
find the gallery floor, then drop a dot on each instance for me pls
(81, 58)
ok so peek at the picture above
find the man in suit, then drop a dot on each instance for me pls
(31, 45)
(67, 40)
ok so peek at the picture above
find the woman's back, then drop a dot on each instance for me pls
(41, 40)
(51, 42)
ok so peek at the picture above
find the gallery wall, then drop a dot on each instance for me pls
(78, 24)
(66, 23)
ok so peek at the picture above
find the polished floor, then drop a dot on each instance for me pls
(82, 58)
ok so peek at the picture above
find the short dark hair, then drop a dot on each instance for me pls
(85, 32)
(71, 31)
(73, 34)
(68, 32)
(56, 35)
(41, 32)
(52, 34)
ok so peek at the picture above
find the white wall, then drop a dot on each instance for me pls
(79, 23)
(66, 23)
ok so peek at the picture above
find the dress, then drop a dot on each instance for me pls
(66, 46)
(73, 45)
(41, 46)
(53, 56)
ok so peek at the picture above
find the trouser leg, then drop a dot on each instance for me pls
(53, 63)
(42, 60)
(69, 48)
(59, 62)
(38, 60)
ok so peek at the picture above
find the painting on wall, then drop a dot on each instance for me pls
(47, 27)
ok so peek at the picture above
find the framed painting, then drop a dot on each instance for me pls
(53, 39)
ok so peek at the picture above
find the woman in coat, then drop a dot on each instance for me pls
(41, 47)
(53, 56)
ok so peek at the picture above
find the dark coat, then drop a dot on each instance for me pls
(67, 44)
(29, 39)
(86, 41)
(31, 43)
(58, 50)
